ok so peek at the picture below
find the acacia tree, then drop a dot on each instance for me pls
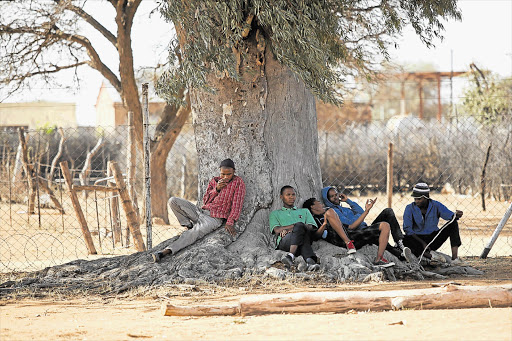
(40, 39)
(253, 69)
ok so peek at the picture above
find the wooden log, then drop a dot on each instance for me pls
(448, 297)
(210, 310)
(131, 216)
(94, 188)
(78, 209)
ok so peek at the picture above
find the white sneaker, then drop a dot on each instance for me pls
(437, 257)
(407, 254)
(313, 267)
(457, 261)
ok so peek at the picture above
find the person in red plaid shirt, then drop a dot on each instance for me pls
(222, 201)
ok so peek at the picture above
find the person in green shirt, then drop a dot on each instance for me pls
(294, 228)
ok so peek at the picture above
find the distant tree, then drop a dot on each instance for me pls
(488, 98)
(40, 39)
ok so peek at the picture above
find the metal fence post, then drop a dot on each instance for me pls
(147, 169)
(497, 232)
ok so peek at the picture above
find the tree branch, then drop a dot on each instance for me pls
(45, 72)
(93, 22)
(95, 62)
(55, 31)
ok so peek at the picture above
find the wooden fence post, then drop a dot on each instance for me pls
(131, 163)
(114, 204)
(28, 171)
(131, 216)
(389, 187)
(147, 166)
(78, 210)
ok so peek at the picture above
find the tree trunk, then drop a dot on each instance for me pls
(267, 125)
(168, 130)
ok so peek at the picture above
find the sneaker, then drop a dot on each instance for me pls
(407, 254)
(350, 247)
(436, 257)
(383, 263)
(457, 261)
(156, 257)
(287, 261)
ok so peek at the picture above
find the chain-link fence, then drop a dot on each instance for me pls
(457, 158)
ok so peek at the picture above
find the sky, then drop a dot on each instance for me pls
(483, 37)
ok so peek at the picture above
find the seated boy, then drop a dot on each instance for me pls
(330, 228)
(294, 230)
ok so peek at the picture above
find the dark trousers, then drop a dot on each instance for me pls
(301, 237)
(451, 231)
(388, 215)
(370, 235)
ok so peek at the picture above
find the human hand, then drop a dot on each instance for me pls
(221, 184)
(369, 204)
(343, 197)
(283, 233)
(458, 214)
(231, 230)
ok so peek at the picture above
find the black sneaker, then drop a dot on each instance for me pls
(287, 261)
(156, 257)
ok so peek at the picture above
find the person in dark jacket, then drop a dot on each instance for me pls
(357, 229)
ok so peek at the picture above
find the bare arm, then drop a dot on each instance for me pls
(322, 227)
(368, 206)
(283, 230)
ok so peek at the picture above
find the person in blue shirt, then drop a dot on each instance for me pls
(421, 219)
(377, 233)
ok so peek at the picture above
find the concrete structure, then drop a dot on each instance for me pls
(32, 115)
(110, 111)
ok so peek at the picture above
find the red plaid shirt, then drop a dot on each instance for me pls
(227, 203)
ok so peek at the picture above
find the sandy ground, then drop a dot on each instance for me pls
(83, 319)
(79, 316)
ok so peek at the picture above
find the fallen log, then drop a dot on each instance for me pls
(448, 297)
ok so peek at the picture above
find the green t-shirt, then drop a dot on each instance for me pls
(289, 216)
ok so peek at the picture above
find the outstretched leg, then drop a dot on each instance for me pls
(334, 221)
(388, 215)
